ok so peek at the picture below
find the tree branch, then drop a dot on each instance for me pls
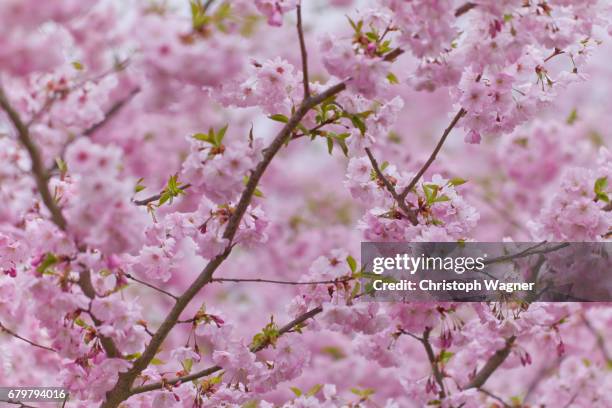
(3, 328)
(38, 170)
(465, 8)
(87, 287)
(281, 282)
(401, 202)
(435, 152)
(127, 275)
(432, 361)
(211, 370)
(491, 365)
(111, 112)
(300, 31)
(121, 391)
(495, 397)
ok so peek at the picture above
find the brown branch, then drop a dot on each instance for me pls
(87, 287)
(127, 275)
(465, 8)
(392, 56)
(556, 52)
(495, 397)
(38, 170)
(148, 200)
(407, 212)
(528, 252)
(491, 365)
(435, 152)
(282, 282)
(300, 31)
(121, 391)
(111, 112)
(432, 361)
(3, 328)
(211, 370)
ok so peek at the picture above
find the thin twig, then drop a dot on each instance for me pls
(435, 152)
(38, 170)
(3, 328)
(528, 252)
(300, 31)
(282, 282)
(111, 112)
(211, 370)
(127, 275)
(432, 361)
(401, 202)
(148, 200)
(495, 397)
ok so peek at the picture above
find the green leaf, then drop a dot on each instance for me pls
(392, 78)
(314, 390)
(601, 185)
(358, 123)
(457, 181)
(77, 65)
(573, 116)
(364, 393)
(441, 199)
(330, 145)
(445, 356)
(336, 353)
(298, 393)
(132, 356)
(188, 364)
(220, 135)
(157, 361)
(352, 263)
(279, 118)
(48, 261)
(139, 186)
(61, 165)
(204, 137)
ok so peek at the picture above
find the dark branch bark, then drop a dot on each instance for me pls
(434, 154)
(38, 170)
(211, 370)
(281, 282)
(160, 290)
(491, 365)
(300, 31)
(401, 202)
(3, 328)
(464, 8)
(111, 113)
(121, 391)
(432, 361)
